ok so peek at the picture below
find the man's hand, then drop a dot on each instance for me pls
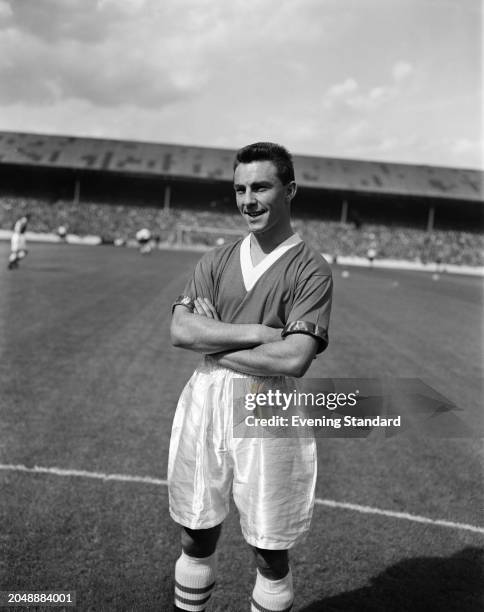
(204, 332)
(205, 308)
(270, 334)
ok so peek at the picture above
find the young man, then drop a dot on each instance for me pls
(256, 307)
(18, 248)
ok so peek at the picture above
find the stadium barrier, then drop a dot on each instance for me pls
(54, 238)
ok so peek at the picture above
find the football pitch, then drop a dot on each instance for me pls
(89, 384)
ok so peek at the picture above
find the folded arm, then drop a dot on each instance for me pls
(202, 331)
(289, 357)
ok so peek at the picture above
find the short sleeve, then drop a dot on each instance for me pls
(311, 309)
(201, 284)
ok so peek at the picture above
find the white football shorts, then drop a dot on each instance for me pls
(17, 242)
(273, 479)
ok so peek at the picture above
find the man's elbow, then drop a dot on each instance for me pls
(299, 353)
(179, 336)
(297, 366)
(176, 339)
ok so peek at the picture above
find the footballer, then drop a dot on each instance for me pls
(258, 307)
(18, 243)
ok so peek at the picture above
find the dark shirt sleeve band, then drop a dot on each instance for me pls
(303, 327)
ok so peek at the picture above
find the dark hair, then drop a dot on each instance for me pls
(268, 151)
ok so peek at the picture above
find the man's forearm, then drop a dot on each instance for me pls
(264, 360)
(204, 335)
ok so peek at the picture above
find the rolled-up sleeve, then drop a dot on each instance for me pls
(311, 309)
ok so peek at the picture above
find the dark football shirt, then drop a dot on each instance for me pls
(294, 292)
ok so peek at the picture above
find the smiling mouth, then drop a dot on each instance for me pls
(255, 214)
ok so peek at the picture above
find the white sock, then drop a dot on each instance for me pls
(272, 595)
(194, 581)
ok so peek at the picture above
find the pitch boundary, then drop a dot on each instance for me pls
(54, 471)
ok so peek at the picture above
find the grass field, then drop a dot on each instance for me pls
(89, 383)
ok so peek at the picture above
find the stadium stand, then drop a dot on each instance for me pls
(216, 164)
(114, 221)
(113, 188)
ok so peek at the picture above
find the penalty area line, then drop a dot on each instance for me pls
(329, 503)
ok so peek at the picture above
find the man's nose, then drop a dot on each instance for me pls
(249, 197)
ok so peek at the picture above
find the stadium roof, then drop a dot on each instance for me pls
(187, 162)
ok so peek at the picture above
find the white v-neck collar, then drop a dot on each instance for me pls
(251, 273)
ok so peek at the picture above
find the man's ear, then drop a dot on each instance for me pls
(291, 189)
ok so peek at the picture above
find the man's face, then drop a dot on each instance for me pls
(262, 199)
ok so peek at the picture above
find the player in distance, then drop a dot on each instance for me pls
(144, 240)
(258, 307)
(18, 243)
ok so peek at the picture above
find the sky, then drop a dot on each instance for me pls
(390, 80)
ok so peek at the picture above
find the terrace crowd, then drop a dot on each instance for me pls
(119, 222)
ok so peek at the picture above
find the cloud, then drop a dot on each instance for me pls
(374, 98)
(401, 70)
(348, 86)
(324, 78)
(5, 10)
(103, 52)
(149, 53)
(56, 20)
(103, 78)
(349, 93)
(458, 152)
(465, 145)
(356, 131)
(462, 152)
(414, 148)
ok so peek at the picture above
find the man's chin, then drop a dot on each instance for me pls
(260, 231)
(256, 228)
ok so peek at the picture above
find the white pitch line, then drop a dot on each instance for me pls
(400, 515)
(83, 474)
(320, 502)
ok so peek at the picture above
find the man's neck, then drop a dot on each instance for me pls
(267, 243)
